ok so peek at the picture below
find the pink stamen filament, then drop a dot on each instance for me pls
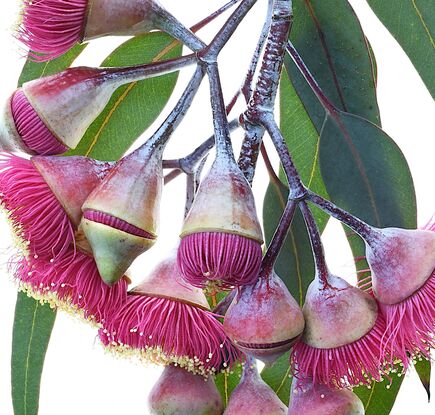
(34, 133)
(116, 223)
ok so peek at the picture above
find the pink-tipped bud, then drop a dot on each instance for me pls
(253, 396)
(264, 320)
(168, 322)
(178, 392)
(401, 261)
(51, 27)
(403, 279)
(341, 344)
(50, 115)
(315, 399)
(121, 215)
(221, 236)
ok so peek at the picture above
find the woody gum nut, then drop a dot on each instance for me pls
(178, 392)
(401, 261)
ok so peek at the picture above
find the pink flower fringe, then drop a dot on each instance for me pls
(232, 260)
(116, 223)
(52, 27)
(354, 364)
(32, 130)
(36, 215)
(71, 282)
(187, 335)
(411, 324)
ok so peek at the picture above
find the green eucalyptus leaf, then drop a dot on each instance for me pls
(227, 381)
(412, 23)
(33, 70)
(135, 106)
(380, 397)
(33, 324)
(278, 377)
(423, 368)
(328, 36)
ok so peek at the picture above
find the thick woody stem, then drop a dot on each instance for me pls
(360, 227)
(220, 121)
(300, 64)
(316, 243)
(164, 132)
(190, 192)
(297, 189)
(212, 51)
(213, 16)
(247, 84)
(168, 23)
(278, 239)
(264, 95)
(189, 163)
(149, 70)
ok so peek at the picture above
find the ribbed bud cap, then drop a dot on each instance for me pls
(121, 215)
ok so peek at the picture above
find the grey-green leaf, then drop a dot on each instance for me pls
(328, 36)
(33, 324)
(366, 173)
(412, 23)
(133, 107)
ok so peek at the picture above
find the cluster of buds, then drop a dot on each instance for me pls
(81, 223)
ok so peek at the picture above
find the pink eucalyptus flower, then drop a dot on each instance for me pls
(166, 321)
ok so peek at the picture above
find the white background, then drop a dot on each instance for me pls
(78, 377)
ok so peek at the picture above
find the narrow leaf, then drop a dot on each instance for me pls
(412, 23)
(33, 324)
(133, 107)
(423, 368)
